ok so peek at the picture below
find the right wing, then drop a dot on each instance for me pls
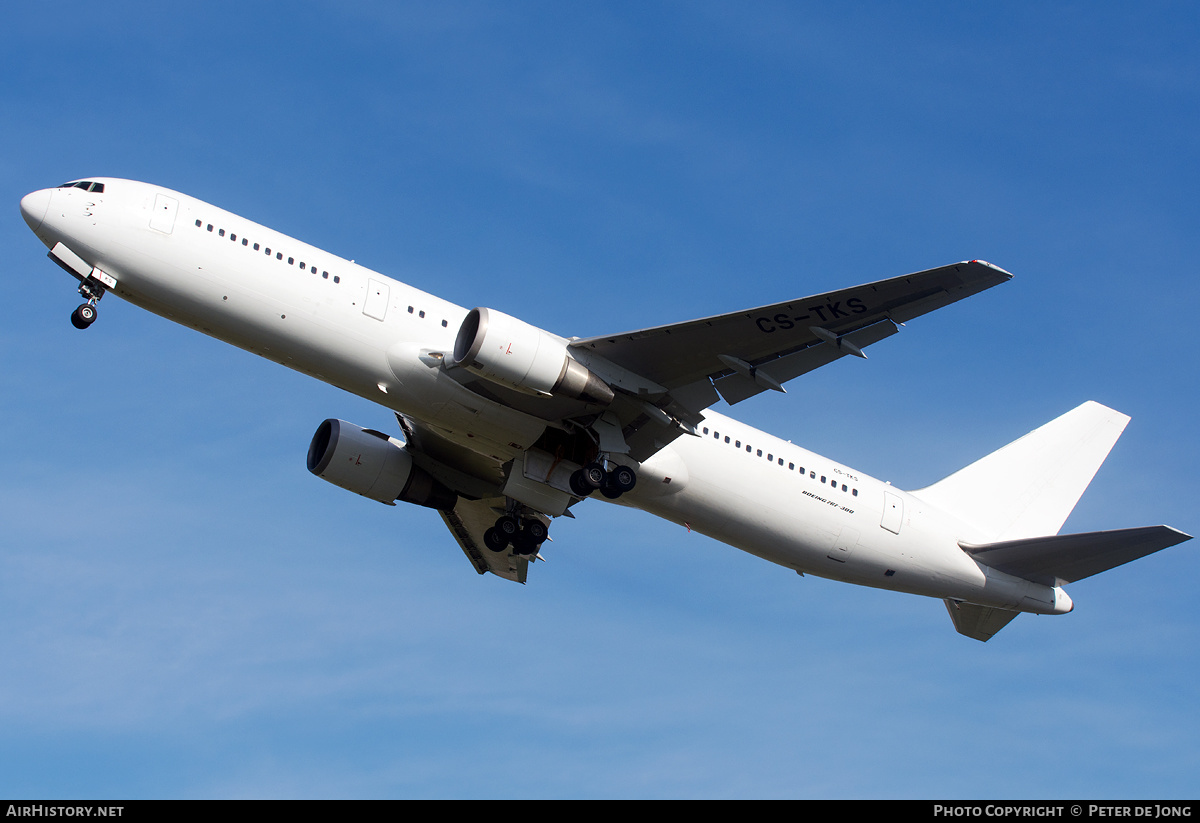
(749, 351)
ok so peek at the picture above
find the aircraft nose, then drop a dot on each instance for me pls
(34, 206)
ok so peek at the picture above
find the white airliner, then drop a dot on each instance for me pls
(507, 426)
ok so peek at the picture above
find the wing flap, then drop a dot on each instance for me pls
(1065, 558)
(736, 387)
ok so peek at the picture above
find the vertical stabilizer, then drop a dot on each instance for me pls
(1028, 488)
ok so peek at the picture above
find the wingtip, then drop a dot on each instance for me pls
(1007, 274)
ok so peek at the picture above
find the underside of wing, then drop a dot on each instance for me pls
(483, 485)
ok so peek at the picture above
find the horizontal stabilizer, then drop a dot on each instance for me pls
(1065, 558)
(978, 622)
(1028, 488)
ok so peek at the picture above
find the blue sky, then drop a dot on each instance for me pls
(186, 612)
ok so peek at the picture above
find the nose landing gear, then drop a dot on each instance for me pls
(85, 315)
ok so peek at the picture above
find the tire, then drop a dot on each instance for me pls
(83, 316)
(508, 527)
(579, 486)
(494, 540)
(536, 530)
(622, 478)
(593, 475)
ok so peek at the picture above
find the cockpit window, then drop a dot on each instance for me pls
(86, 185)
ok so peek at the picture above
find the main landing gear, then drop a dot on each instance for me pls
(85, 315)
(612, 483)
(525, 535)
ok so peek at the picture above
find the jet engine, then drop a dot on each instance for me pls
(374, 465)
(507, 351)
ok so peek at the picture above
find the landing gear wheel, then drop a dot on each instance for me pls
(494, 541)
(579, 486)
(622, 478)
(592, 475)
(536, 531)
(618, 481)
(508, 528)
(524, 544)
(83, 316)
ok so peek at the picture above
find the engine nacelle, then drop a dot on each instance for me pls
(374, 465)
(513, 353)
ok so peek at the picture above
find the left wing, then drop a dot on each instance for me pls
(478, 480)
(468, 520)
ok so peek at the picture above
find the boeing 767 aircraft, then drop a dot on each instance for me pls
(506, 426)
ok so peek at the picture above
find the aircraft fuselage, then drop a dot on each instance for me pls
(381, 339)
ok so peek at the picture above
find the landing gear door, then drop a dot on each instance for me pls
(893, 512)
(162, 218)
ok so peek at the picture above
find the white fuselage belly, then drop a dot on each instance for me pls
(365, 333)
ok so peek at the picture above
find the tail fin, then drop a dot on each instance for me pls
(1028, 488)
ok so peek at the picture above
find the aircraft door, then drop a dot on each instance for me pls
(893, 512)
(162, 218)
(378, 295)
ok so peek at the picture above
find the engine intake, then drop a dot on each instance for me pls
(513, 353)
(374, 465)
